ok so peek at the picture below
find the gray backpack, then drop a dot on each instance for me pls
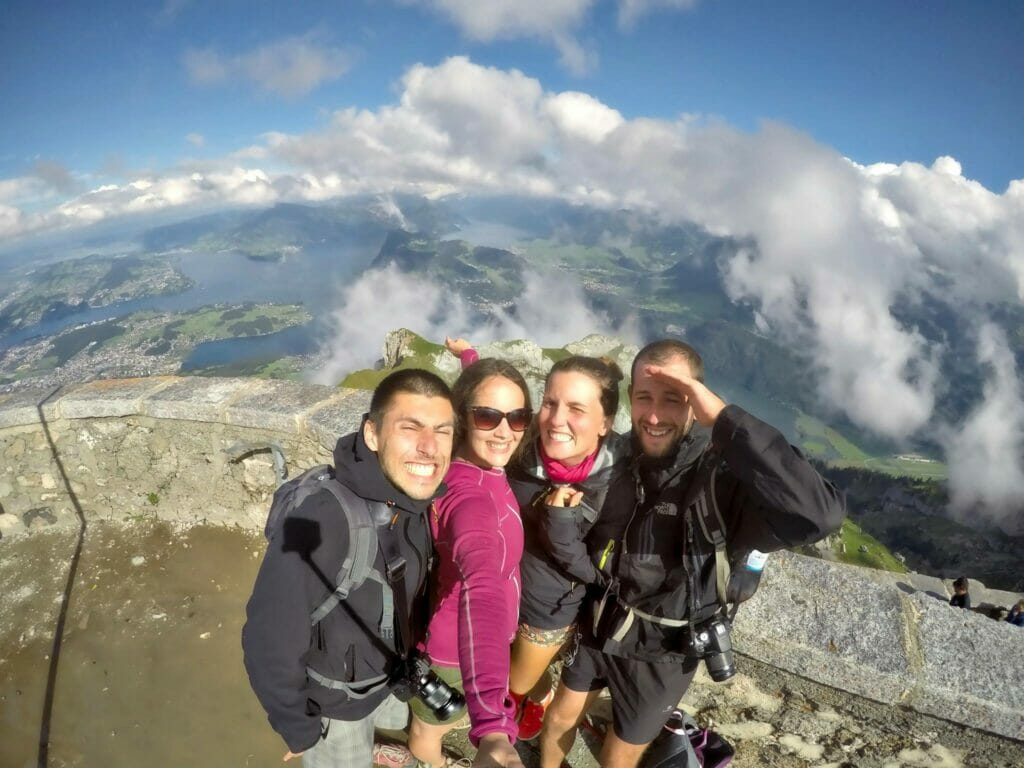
(362, 518)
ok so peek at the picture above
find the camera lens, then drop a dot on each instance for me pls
(719, 657)
(720, 666)
(444, 701)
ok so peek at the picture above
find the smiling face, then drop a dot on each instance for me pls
(661, 416)
(414, 442)
(571, 421)
(493, 447)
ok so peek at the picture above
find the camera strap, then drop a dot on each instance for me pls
(699, 505)
(401, 605)
(394, 573)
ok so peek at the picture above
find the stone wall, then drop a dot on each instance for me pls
(163, 447)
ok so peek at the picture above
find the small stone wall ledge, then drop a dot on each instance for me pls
(166, 447)
(290, 407)
(838, 625)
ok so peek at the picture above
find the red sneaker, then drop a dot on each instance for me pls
(532, 718)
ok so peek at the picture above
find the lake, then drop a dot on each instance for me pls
(314, 278)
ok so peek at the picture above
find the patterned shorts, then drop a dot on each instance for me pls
(547, 637)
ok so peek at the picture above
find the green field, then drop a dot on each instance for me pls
(290, 368)
(824, 443)
(876, 555)
(548, 253)
(219, 323)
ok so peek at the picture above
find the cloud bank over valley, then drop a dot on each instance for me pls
(836, 245)
(549, 312)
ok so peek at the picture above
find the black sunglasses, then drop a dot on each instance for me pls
(490, 418)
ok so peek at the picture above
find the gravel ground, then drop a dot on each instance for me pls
(152, 637)
(779, 720)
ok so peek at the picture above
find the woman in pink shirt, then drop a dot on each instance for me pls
(478, 536)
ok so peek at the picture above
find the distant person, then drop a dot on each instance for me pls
(661, 612)
(327, 683)
(1016, 614)
(961, 596)
(478, 539)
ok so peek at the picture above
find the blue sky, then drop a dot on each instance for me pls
(869, 151)
(101, 87)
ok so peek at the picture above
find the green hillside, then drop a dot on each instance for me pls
(861, 548)
(420, 354)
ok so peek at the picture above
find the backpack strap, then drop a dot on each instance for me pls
(712, 524)
(362, 518)
(395, 565)
(370, 527)
(358, 689)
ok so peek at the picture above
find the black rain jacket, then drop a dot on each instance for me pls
(770, 498)
(556, 568)
(297, 574)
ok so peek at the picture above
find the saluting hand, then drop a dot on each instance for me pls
(564, 496)
(705, 403)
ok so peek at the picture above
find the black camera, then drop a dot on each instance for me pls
(711, 642)
(417, 679)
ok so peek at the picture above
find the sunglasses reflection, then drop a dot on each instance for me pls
(490, 418)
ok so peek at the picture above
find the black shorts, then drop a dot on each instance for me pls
(644, 693)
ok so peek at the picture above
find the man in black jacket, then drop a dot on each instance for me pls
(399, 457)
(648, 553)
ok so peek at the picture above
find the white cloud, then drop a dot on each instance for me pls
(196, 139)
(986, 453)
(554, 21)
(21, 189)
(631, 10)
(503, 19)
(11, 218)
(169, 12)
(215, 188)
(55, 175)
(581, 116)
(291, 67)
(549, 312)
(413, 303)
(837, 245)
(961, 228)
(551, 20)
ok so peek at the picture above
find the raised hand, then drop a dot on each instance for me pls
(564, 496)
(495, 751)
(705, 403)
(457, 345)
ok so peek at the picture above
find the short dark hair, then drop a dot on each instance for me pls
(604, 371)
(414, 381)
(469, 382)
(661, 351)
(961, 583)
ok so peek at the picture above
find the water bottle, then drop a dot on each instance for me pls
(744, 580)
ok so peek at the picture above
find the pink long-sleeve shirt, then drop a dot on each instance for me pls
(479, 538)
